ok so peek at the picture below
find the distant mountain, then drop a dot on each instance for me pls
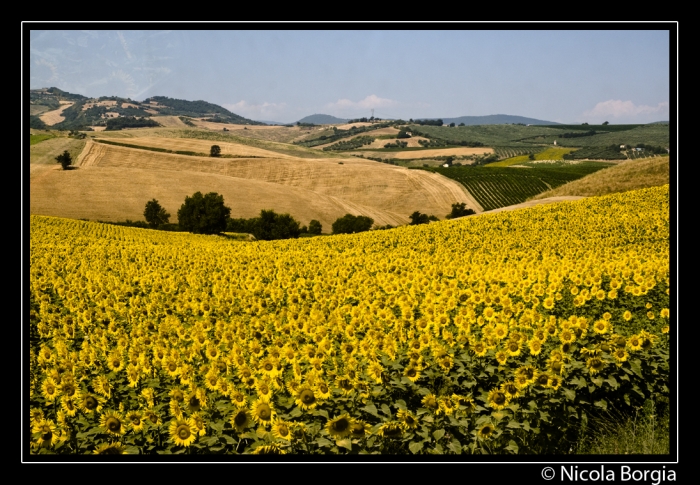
(271, 122)
(322, 120)
(102, 111)
(495, 120)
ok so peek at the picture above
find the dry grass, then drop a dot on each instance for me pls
(437, 152)
(98, 128)
(412, 142)
(204, 146)
(630, 175)
(350, 125)
(169, 121)
(114, 183)
(45, 153)
(53, 117)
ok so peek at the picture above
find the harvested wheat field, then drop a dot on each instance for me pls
(356, 125)
(437, 152)
(169, 121)
(45, 153)
(210, 125)
(54, 117)
(203, 146)
(114, 183)
(629, 175)
(115, 194)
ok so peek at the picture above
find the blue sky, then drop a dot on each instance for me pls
(568, 76)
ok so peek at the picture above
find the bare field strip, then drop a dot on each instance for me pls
(117, 194)
(204, 146)
(629, 175)
(210, 125)
(367, 183)
(45, 153)
(169, 121)
(437, 152)
(53, 117)
(98, 128)
(356, 125)
(411, 142)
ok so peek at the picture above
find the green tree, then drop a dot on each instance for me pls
(270, 226)
(459, 209)
(531, 156)
(605, 123)
(215, 151)
(155, 214)
(204, 214)
(64, 159)
(349, 224)
(418, 218)
(315, 227)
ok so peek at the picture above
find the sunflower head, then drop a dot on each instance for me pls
(241, 419)
(271, 449)
(262, 412)
(486, 431)
(282, 429)
(183, 432)
(430, 402)
(339, 427)
(498, 399)
(359, 429)
(113, 423)
(110, 449)
(306, 398)
(391, 430)
(595, 365)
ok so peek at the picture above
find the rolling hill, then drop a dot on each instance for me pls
(321, 119)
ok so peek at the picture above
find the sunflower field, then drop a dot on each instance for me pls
(501, 333)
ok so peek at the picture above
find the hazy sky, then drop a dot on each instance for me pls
(568, 76)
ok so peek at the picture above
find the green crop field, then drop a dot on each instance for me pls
(502, 186)
(657, 135)
(34, 139)
(548, 154)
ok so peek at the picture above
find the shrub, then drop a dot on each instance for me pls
(215, 151)
(204, 214)
(64, 159)
(349, 224)
(315, 227)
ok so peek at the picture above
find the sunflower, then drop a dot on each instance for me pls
(324, 392)
(360, 429)
(238, 398)
(176, 409)
(305, 398)
(339, 427)
(241, 419)
(635, 343)
(344, 384)
(375, 371)
(513, 348)
(567, 336)
(90, 403)
(46, 433)
(542, 379)
(479, 349)
(447, 406)
(430, 402)
(445, 362)
(111, 449)
(282, 429)
(182, 432)
(135, 420)
(497, 399)
(486, 431)
(198, 424)
(35, 415)
(151, 416)
(595, 365)
(391, 430)
(664, 313)
(271, 449)
(627, 315)
(113, 423)
(510, 389)
(262, 412)
(554, 382)
(665, 329)
(408, 420)
(49, 389)
(412, 373)
(69, 406)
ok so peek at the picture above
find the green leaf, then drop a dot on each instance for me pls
(598, 381)
(415, 446)
(569, 393)
(132, 450)
(455, 446)
(636, 366)
(601, 404)
(512, 446)
(211, 441)
(386, 410)
(323, 442)
(513, 424)
(295, 413)
(217, 426)
(345, 443)
(438, 433)
(613, 383)
(229, 439)
(371, 409)
(322, 412)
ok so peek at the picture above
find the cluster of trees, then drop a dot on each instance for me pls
(122, 122)
(419, 218)
(459, 209)
(429, 122)
(403, 134)
(356, 142)
(397, 144)
(579, 134)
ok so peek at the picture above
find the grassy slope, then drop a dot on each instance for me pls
(45, 153)
(630, 175)
(548, 154)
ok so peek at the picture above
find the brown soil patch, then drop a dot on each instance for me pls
(129, 105)
(350, 125)
(98, 128)
(54, 117)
